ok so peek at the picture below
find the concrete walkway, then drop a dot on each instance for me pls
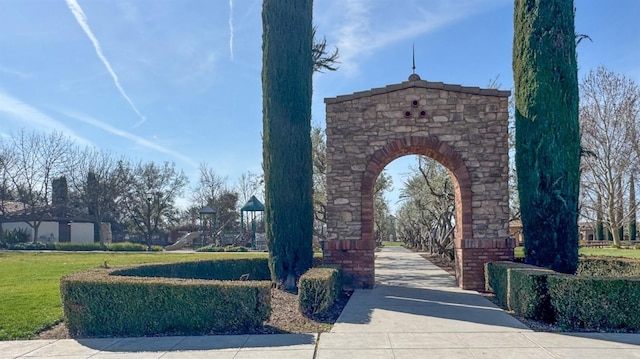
(415, 311)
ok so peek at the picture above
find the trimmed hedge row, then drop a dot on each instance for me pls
(214, 248)
(608, 267)
(529, 296)
(318, 290)
(226, 269)
(103, 302)
(595, 303)
(575, 302)
(497, 279)
(68, 246)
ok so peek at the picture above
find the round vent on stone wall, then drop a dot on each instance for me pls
(407, 114)
(414, 103)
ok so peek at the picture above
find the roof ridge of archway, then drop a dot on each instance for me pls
(418, 84)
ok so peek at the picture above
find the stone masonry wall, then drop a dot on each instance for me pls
(464, 128)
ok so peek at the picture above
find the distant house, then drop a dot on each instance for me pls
(77, 228)
(515, 231)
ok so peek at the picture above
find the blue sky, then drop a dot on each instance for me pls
(179, 81)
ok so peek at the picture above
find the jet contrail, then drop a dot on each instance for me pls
(231, 28)
(82, 21)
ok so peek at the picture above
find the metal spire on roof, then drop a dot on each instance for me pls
(414, 76)
(413, 55)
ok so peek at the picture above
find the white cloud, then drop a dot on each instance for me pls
(82, 21)
(33, 117)
(14, 72)
(364, 27)
(131, 137)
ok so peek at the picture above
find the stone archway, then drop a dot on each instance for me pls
(463, 128)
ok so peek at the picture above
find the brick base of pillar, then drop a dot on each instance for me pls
(356, 259)
(473, 254)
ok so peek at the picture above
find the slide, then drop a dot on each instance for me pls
(183, 241)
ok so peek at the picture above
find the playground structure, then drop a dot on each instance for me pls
(250, 208)
(251, 231)
(184, 241)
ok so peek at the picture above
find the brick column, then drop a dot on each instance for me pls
(473, 254)
(356, 257)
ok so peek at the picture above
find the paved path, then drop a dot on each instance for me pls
(415, 311)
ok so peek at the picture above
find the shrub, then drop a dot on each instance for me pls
(30, 246)
(608, 267)
(15, 236)
(528, 295)
(100, 302)
(318, 290)
(69, 246)
(225, 269)
(497, 279)
(214, 248)
(595, 303)
(131, 247)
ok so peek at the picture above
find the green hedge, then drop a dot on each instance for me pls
(226, 269)
(213, 248)
(70, 246)
(100, 303)
(528, 295)
(318, 290)
(497, 279)
(599, 301)
(595, 303)
(608, 267)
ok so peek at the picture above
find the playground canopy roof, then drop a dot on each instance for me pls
(253, 205)
(207, 210)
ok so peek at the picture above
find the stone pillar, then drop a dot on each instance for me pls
(473, 254)
(356, 257)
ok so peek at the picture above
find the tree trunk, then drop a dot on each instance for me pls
(287, 68)
(547, 131)
(35, 226)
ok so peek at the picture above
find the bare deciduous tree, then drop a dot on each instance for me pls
(38, 159)
(610, 121)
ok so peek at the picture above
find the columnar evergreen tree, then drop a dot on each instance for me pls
(287, 67)
(59, 196)
(632, 209)
(620, 209)
(547, 131)
(599, 224)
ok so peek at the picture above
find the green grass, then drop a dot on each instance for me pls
(611, 252)
(392, 244)
(30, 283)
(585, 251)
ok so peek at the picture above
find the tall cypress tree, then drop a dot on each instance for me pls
(287, 67)
(599, 224)
(60, 196)
(547, 131)
(620, 208)
(632, 209)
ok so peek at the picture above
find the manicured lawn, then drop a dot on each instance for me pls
(392, 244)
(613, 252)
(585, 251)
(30, 283)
